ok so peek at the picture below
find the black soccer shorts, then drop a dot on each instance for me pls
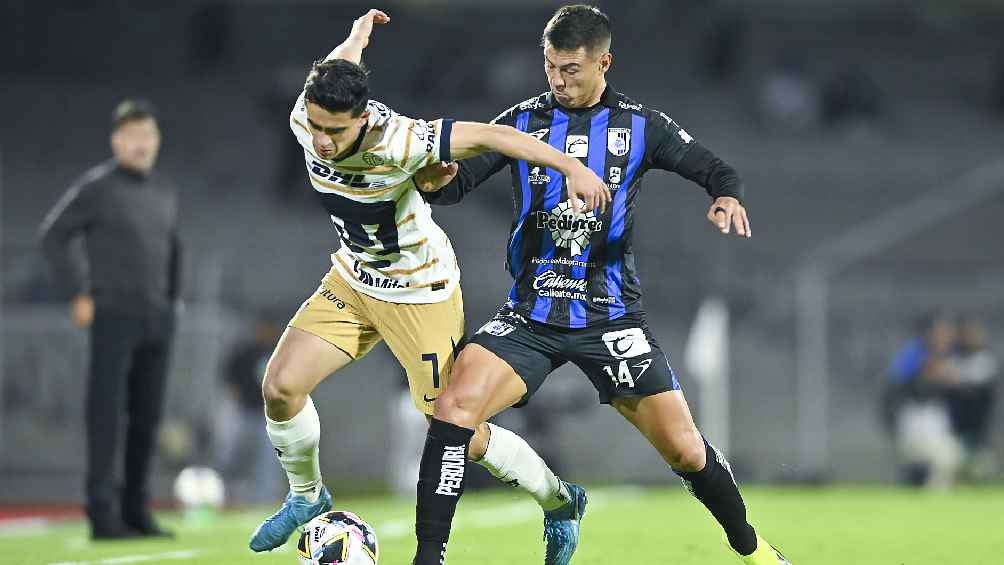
(620, 357)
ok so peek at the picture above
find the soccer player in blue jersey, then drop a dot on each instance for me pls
(576, 296)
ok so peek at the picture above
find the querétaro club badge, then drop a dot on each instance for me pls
(618, 141)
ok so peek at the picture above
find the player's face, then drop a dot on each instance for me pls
(334, 133)
(136, 143)
(576, 77)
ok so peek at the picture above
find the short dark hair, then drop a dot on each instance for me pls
(132, 110)
(579, 25)
(338, 86)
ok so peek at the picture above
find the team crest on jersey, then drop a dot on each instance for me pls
(568, 229)
(618, 141)
(372, 159)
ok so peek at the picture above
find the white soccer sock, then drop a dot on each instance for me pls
(296, 441)
(511, 460)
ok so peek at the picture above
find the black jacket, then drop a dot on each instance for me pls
(128, 223)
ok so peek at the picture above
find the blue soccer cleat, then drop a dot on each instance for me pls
(295, 512)
(561, 527)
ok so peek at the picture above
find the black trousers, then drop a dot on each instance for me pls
(128, 373)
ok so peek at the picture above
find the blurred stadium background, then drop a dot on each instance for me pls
(869, 135)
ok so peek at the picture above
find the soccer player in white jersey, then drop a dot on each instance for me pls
(394, 278)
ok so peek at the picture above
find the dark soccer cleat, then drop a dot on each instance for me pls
(295, 512)
(561, 527)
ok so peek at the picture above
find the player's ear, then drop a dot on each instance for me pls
(605, 61)
(364, 117)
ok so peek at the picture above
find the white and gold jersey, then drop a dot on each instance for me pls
(391, 248)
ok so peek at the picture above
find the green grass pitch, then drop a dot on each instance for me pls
(623, 526)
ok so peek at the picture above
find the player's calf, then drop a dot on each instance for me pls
(715, 486)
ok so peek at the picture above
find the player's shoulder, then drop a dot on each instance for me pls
(658, 124)
(94, 177)
(380, 114)
(533, 103)
(625, 103)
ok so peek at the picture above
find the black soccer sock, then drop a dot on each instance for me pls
(716, 488)
(440, 485)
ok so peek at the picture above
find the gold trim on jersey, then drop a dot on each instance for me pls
(370, 170)
(407, 271)
(356, 277)
(305, 128)
(406, 219)
(418, 243)
(433, 283)
(354, 191)
(407, 144)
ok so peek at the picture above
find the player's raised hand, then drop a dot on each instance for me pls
(586, 191)
(363, 25)
(726, 212)
(431, 178)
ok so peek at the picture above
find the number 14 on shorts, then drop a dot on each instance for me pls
(627, 345)
(622, 375)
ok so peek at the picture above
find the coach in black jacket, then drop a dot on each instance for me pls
(123, 286)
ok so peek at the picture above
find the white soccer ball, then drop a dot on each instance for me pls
(199, 487)
(337, 537)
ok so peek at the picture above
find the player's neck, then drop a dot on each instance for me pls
(597, 96)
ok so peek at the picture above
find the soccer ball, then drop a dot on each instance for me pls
(199, 487)
(337, 537)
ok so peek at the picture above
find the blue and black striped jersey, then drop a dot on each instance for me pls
(574, 270)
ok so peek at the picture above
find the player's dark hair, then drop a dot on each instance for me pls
(132, 110)
(338, 86)
(577, 26)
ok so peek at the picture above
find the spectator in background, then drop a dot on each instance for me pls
(852, 97)
(789, 99)
(123, 283)
(971, 401)
(242, 452)
(921, 375)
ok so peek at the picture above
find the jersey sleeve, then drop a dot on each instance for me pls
(473, 171)
(412, 144)
(668, 141)
(675, 150)
(298, 123)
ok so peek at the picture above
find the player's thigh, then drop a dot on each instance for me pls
(424, 338)
(504, 364)
(629, 369)
(330, 330)
(622, 359)
(299, 362)
(665, 421)
(482, 386)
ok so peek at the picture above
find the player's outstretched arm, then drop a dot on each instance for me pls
(352, 48)
(585, 189)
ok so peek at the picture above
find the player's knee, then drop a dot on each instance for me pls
(277, 386)
(460, 406)
(687, 452)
